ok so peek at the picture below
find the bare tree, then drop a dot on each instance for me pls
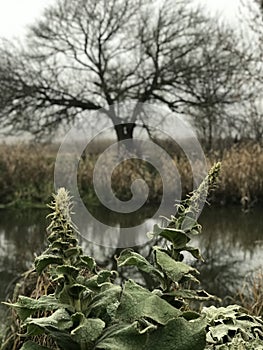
(223, 82)
(251, 120)
(88, 55)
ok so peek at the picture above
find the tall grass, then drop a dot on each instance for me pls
(250, 296)
(242, 174)
(26, 174)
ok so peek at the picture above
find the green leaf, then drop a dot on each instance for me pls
(105, 276)
(88, 331)
(62, 294)
(71, 252)
(188, 223)
(137, 303)
(76, 289)
(64, 340)
(124, 337)
(130, 258)
(86, 262)
(34, 330)
(59, 320)
(213, 313)
(58, 245)
(106, 303)
(157, 229)
(221, 330)
(231, 322)
(26, 306)
(30, 345)
(194, 251)
(177, 237)
(175, 270)
(200, 295)
(44, 260)
(68, 270)
(179, 334)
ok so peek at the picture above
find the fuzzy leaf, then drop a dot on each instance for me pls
(200, 295)
(179, 334)
(88, 262)
(106, 303)
(177, 237)
(71, 252)
(105, 276)
(64, 339)
(188, 223)
(68, 270)
(59, 320)
(44, 260)
(125, 337)
(175, 270)
(87, 331)
(76, 289)
(137, 303)
(194, 251)
(26, 306)
(130, 258)
(231, 322)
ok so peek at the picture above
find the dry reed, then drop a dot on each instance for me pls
(250, 296)
(26, 175)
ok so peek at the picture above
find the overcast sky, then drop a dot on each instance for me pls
(16, 14)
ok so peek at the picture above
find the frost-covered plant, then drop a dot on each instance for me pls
(82, 307)
(167, 265)
(232, 328)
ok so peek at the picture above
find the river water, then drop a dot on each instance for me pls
(231, 244)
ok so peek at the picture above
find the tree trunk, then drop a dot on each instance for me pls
(124, 131)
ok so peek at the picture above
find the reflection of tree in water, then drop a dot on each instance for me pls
(23, 235)
(229, 247)
(122, 220)
(238, 229)
(116, 236)
(105, 256)
(219, 274)
(227, 244)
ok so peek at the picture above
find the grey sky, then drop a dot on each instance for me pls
(16, 14)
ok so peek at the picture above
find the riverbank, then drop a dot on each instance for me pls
(26, 175)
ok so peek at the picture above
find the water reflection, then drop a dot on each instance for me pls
(117, 230)
(231, 244)
(22, 235)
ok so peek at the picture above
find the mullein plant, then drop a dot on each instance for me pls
(84, 307)
(173, 275)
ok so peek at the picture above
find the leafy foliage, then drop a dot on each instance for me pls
(231, 328)
(86, 308)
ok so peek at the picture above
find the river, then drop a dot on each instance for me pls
(231, 244)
